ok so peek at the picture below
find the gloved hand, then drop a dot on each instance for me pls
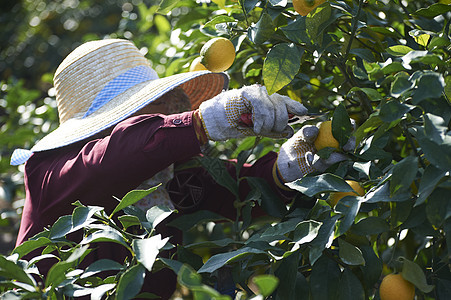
(297, 156)
(221, 115)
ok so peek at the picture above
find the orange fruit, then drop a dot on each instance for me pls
(325, 137)
(218, 54)
(395, 287)
(303, 7)
(336, 196)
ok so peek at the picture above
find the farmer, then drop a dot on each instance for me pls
(122, 128)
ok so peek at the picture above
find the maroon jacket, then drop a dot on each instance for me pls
(95, 171)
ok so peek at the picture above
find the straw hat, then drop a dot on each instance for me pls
(103, 82)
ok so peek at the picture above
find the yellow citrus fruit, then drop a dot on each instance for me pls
(336, 196)
(395, 287)
(218, 54)
(196, 65)
(303, 7)
(325, 137)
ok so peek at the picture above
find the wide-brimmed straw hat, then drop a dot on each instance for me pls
(103, 82)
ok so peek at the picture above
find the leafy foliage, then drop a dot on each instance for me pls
(385, 64)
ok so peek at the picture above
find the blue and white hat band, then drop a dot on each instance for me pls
(120, 84)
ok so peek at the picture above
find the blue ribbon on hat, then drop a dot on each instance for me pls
(112, 89)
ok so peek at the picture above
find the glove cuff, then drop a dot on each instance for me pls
(214, 117)
(278, 179)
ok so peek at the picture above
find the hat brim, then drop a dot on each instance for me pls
(199, 86)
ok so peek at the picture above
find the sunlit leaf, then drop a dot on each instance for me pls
(266, 284)
(281, 66)
(132, 197)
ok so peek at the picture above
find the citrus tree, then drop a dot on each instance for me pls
(384, 64)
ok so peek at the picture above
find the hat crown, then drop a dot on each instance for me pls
(88, 69)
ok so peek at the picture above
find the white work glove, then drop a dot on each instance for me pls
(222, 115)
(297, 156)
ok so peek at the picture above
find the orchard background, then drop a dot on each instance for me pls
(386, 64)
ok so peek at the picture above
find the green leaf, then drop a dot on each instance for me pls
(401, 85)
(186, 256)
(262, 31)
(348, 207)
(324, 238)
(364, 54)
(101, 266)
(435, 128)
(447, 88)
(398, 50)
(431, 176)
(174, 265)
(404, 172)
(82, 216)
(219, 260)
(31, 245)
(370, 226)
(130, 282)
(211, 25)
(11, 270)
(266, 284)
(214, 243)
(146, 250)
(312, 185)
(188, 277)
(433, 10)
(394, 110)
(372, 269)
(430, 85)
(324, 279)
(278, 231)
(287, 274)
(193, 281)
(296, 31)
(438, 207)
(438, 155)
(167, 5)
(319, 19)
(105, 235)
(129, 220)
(157, 213)
(350, 287)
(61, 227)
(270, 201)
(350, 254)
(217, 169)
(413, 273)
(373, 94)
(341, 125)
(188, 221)
(58, 271)
(131, 198)
(281, 65)
(306, 231)
(368, 126)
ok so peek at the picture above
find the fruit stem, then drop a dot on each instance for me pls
(355, 21)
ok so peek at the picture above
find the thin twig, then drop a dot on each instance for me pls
(354, 28)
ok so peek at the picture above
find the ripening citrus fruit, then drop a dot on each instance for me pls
(325, 137)
(395, 287)
(303, 7)
(196, 65)
(218, 54)
(336, 196)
